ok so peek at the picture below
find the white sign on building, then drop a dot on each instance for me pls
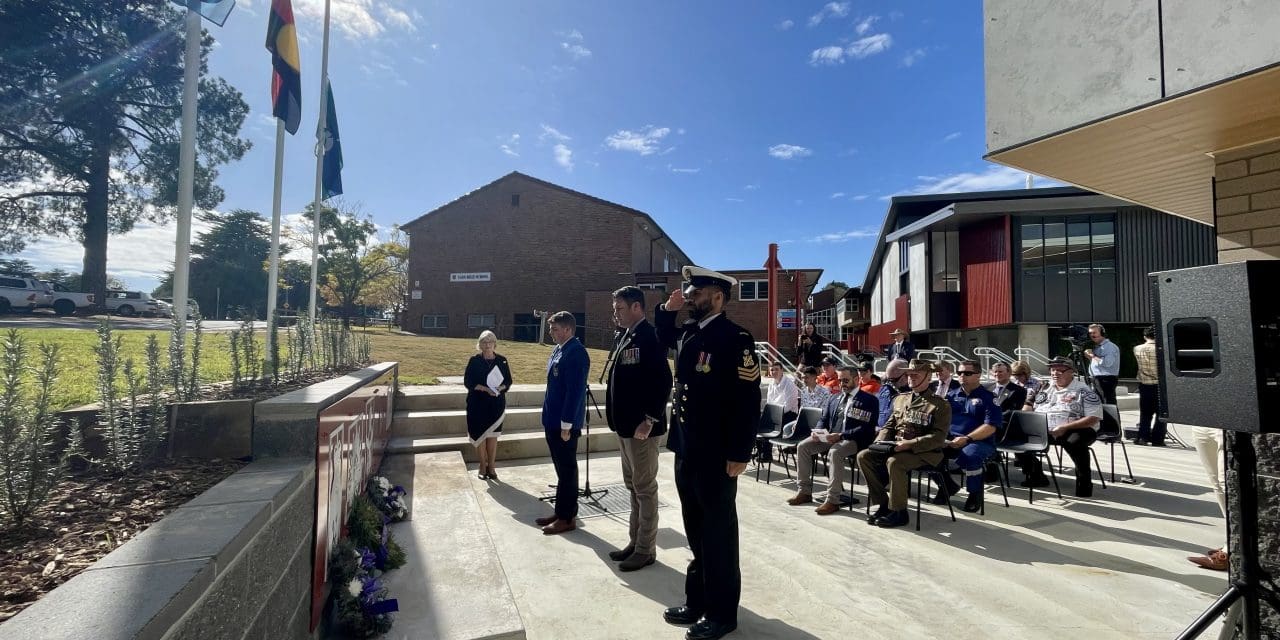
(417, 294)
(477, 276)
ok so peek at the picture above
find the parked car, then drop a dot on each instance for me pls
(131, 303)
(65, 301)
(22, 293)
(193, 307)
(163, 309)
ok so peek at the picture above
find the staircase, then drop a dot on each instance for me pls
(433, 419)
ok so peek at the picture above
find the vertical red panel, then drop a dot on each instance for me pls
(986, 281)
(879, 334)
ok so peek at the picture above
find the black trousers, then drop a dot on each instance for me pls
(1076, 443)
(1107, 387)
(708, 504)
(564, 455)
(1147, 396)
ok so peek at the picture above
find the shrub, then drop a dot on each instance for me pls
(28, 468)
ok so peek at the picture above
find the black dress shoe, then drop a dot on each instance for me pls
(879, 513)
(894, 519)
(681, 615)
(1141, 442)
(709, 630)
(622, 554)
(1158, 444)
(973, 503)
(942, 498)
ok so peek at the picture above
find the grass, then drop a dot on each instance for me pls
(423, 360)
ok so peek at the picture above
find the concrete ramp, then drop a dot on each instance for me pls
(453, 587)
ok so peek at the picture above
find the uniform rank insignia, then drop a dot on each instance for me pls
(750, 369)
(704, 363)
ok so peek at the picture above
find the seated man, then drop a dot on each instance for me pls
(1010, 395)
(912, 437)
(975, 418)
(895, 376)
(867, 379)
(1075, 414)
(783, 391)
(812, 394)
(829, 378)
(847, 426)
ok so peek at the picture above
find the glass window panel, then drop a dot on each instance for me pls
(747, 290)
(1055, 248)
(938, 258)
(953, 261)
(1078, 248)
(1032, 248)
(1104, 247)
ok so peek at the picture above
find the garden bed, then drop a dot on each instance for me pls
(86, 517)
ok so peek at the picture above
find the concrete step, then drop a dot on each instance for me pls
(453, 586)
(453, 397)
(520, 445)
(454, 421)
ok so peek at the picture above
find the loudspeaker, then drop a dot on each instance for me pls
(1218, 342)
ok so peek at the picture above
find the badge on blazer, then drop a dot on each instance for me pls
(630, 356)
(704, 363)
(555, 371)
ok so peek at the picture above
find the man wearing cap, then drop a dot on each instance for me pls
(1074, 413)
(829, 377)
(912, 437)
(715, 408)
(636, 405)
(901, 349)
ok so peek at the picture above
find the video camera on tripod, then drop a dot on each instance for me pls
(1077, 335)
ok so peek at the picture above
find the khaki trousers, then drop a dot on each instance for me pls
(898, 467)
(640, 474)
(835, 461)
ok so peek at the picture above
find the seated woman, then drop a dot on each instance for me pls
(1022, 374)
(487, 379)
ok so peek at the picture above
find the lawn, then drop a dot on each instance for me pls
(423, 360)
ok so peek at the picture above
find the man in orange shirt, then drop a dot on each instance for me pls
(865, 380)
(829, 378)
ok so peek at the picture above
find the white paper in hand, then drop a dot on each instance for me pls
(495, 379)
(819, 434)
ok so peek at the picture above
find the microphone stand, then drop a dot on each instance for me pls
(586, 493)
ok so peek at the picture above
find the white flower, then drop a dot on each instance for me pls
(384, 484)
(354, 587)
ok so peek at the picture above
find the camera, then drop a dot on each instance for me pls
(1077, 335)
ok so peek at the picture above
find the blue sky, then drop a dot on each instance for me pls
(734, 124)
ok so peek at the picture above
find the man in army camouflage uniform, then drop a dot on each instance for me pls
(912, 437)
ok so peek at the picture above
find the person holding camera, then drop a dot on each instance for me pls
(809, 346)
(1104, 363)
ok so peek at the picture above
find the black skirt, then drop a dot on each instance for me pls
(485, 412)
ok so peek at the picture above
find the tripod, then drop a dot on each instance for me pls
(586, 493)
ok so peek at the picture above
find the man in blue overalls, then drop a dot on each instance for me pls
(975, 419)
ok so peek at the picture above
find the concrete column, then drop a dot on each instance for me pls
(1248, 226)
(1034, 336)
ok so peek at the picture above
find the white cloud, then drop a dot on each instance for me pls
(785, 25)
(860, 196)
(357, 20)
(751, 187)
(827, 55)
(837, 195)
(951, 136)
(845, 236)
(869, 46)
(563, 156)
(912, 57)
(511, 146)
(865, 25)
(994, 178)
(509, 151)
(830, 10)
(643, 142)
(576, 50)
(734, 200)
(675, 169)
(418, 59)
(573, 35)
(552, 133)
(788, 151)
(399, 18)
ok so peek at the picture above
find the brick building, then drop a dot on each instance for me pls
(490, 258)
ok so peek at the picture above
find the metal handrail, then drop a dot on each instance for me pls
(842, 357)
(947, 354)
(990, 356)
(769, 353)
(1033, 357)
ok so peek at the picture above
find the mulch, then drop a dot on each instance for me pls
(88, 516)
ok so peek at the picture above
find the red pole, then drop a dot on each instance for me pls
(772, 266)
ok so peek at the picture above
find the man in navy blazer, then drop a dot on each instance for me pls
(563, 410)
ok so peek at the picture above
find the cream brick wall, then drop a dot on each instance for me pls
(1248, 203)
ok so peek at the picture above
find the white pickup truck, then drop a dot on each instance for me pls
(65, 301)
(21, 293)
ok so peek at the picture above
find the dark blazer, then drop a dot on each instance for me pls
(565, 400)
(639, 381)
(716, 400)
(857, 422)
(810, 353)
(905, 351)
(1011, 398)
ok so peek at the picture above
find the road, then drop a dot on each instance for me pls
(40, 320)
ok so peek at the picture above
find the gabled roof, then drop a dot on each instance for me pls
(551, 185)
(911, 209)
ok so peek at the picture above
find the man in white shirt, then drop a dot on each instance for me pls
(1074, 413)
(783, 391)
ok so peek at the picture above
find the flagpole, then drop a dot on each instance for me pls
(273, 272)
(315, 209)
(186, 165)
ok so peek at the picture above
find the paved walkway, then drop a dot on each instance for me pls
(1108, 567)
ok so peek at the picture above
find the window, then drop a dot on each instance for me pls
(435, 321)
(945, 258)
(481, 320)
(655, 286)
(1068, 269)
(1104, 248)
(753, 290)
(904, 256)
(851, 305)
(1078, 250)
(666, 261)
(13, 283)
(515, 199)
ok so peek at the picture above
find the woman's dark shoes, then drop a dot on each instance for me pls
(482, 475)
(493, 473)
(709, 630)
(623, 553)
(973, 503)
(681, 615)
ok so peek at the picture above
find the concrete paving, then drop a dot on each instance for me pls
(1108, 567)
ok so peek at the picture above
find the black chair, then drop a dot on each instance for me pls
(931, 473)
(770, 426)
(786, 446)
(1028, 432)
(1111, 434)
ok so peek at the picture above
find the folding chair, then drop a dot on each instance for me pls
(1028, 432)
(770, 426)
(786, 446)
(931, 472)
(1111, 434)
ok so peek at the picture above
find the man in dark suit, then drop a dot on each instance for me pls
(715, 408)
(901, 349)
(636, 405)
(1010, 396)
(563, 411)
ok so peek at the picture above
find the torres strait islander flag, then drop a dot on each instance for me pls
(286, 78)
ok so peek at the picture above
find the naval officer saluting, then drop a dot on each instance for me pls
(715, 407)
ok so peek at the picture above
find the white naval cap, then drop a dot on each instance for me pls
(697, 277)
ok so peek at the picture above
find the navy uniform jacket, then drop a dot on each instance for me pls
(716, 403)
(565, 400)
(639, 382)
(858, 420)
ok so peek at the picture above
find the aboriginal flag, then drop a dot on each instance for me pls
(286, 76)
